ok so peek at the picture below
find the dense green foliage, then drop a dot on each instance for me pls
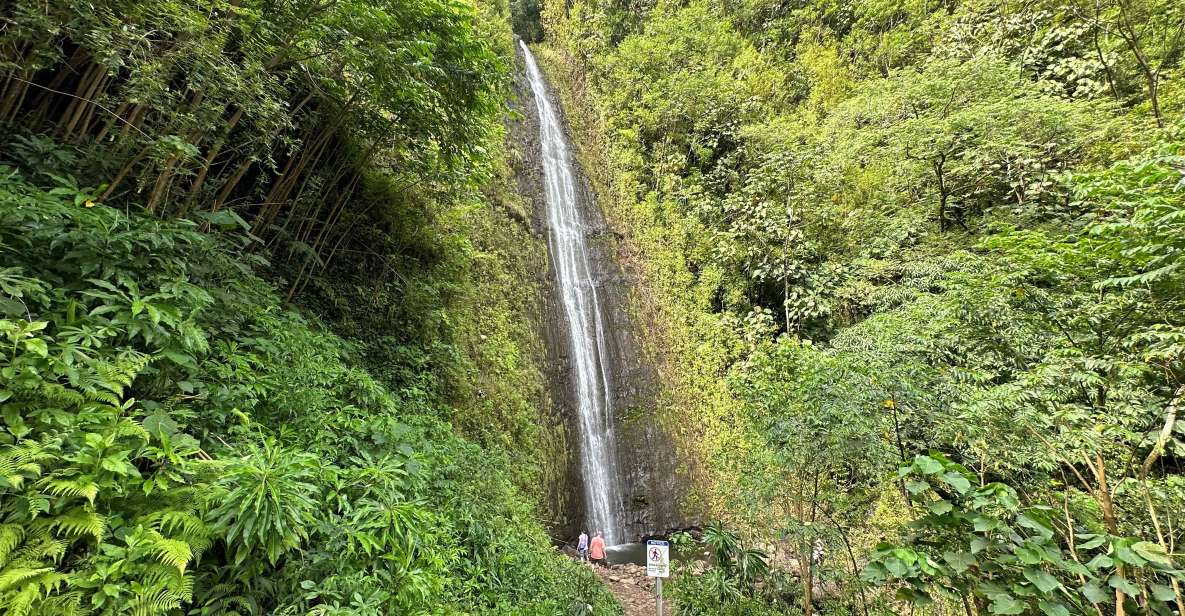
(869, 231)
(174, 437)
(269, 112)
(267, 323)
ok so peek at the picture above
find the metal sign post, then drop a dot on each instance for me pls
(658, 566)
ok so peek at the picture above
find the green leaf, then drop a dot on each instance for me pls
(939, 507)
(1030, 555)
(959, 561)
(927, 465)
(1119, 582)
(1006, 604)
(1100, 561)
(896, 566)
(957, 481)
(1053, 608)
(1151, 552)
(979, 544)
(916, 487)
(1160, 592)
(1041, 579)
(158, 424)
(984, 524)
(913, 595)
(1033, 521)
(1095, 593)
(37, 347)
(1091, 541)
(1126, 555)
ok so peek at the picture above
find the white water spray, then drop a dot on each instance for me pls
(586, 327)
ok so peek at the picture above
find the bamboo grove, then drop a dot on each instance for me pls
(268, 114)
(258, 270)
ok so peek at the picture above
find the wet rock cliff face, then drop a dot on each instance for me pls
(651, 490)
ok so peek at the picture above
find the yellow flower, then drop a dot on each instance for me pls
(890, 404)
(89, 203)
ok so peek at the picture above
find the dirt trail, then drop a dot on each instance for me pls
(632, 588)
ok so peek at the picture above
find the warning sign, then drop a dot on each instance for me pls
(658, 558)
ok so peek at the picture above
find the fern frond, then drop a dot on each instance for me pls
(66, 604)
(172, 552)
(173, 520)
(19, 575)
(11, 535)
(38, 546)
(20, 603)
(23, 461)
(80, 487)
(155, 604)
(60, 395)
(127, 427)
(78, 522)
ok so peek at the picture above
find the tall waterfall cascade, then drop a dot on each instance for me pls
(568, 245)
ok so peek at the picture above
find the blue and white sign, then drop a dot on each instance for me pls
(658, 558)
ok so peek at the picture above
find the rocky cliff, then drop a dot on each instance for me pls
(652, 493)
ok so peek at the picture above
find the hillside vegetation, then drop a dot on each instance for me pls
(916, 270)
(266, 315)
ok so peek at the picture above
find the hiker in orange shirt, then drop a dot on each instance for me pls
(596, 550)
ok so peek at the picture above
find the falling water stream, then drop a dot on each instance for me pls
(569, 248)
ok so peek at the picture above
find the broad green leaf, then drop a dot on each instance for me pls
(1006, 604)
(1030, 555)
(939, 507)
(1151, 552)
(1160, 592)
(913, 595)
(1095, 593)
(37, 347)
(984, 524)
(1053, 608)
(959, 561)
(1033, 521)
(927, 465)
(916, 487)
(956, 481)
(979, 544)
(1091, 541)
(1119, 582)
(1100, 561)
(896, 567)
(1044, 582)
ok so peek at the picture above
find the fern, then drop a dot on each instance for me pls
(11, 535)
(22, 461)
(172, 552)
(79, 522)
(13, 576)
(65, 604)
(81, 487)
(157, 603)
(61, 395)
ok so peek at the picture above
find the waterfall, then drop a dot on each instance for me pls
(569, 249)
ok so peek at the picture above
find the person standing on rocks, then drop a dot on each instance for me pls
(597, 550)
(582, 546)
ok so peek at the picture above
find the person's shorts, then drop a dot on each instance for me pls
(584, 554)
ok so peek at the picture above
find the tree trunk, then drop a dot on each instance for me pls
(196, 187)
(943, 196)
(82, 97)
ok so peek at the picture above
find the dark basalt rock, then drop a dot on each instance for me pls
(653, 493)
